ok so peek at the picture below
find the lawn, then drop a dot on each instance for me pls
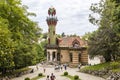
(113, 66)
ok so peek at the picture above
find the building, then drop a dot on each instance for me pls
(72, 50)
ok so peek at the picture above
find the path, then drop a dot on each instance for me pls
(49, 70)
(83, 76)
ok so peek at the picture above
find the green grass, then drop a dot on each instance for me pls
(70, 77)
(109, 65)
(116, 70)
(37, 77)
(96, 67)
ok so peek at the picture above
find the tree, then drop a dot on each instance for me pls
(86, 36)
(6, 47)
(24, 32)
(63, 34)
(105, 41)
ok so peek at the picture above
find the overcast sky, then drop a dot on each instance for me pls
(72, 15)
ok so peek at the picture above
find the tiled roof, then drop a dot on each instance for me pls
(68, 41)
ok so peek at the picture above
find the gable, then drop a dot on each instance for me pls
(71, 42)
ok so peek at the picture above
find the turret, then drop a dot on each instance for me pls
(52, 21)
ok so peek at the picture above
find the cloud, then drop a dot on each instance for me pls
(72, 15)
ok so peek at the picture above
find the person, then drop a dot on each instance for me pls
(37, 67)
(65, 66)
(52, 77)
(61, 67)
(32, 71)
(44, 70)
(47, 77)
(79, 66)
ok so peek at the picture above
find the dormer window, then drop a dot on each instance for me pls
(76, 43)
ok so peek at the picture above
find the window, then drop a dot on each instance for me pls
(79, 57)
(54, 32)
(76, 43)
(49, 40)
(71, 57)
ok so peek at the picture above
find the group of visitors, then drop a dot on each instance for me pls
(60, 67)
(52, 77)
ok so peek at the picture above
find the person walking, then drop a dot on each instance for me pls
(65, 66)
(47, 77)
(61, 67)
(79, 66)
(44, 70)
(52, 77)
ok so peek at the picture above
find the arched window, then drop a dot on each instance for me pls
(76, 43)
(71, 57)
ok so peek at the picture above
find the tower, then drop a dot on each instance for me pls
(51, 21)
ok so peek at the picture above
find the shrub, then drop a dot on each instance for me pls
(76, 77)
(65, 73)
(27, 78)
(40, 74)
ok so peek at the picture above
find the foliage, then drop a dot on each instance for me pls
(71, 77)
(6, 47)
(86, 36)
(63, 34)
(40, 74)
(27, 78)
(18, 36)
(103, 66)
(106, 40)
(116, 70)
(76, 77)
(65, 73)
(16, 72)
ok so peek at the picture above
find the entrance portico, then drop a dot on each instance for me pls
(52, 55)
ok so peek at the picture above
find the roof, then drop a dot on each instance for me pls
(70, 41)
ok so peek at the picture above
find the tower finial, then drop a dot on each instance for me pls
(52, 11)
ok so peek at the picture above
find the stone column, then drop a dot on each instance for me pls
(47, 56)
(51, 56)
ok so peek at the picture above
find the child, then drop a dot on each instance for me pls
(47, 77)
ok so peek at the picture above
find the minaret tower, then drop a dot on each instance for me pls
(52, 21)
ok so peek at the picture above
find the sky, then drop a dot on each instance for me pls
(72, 15)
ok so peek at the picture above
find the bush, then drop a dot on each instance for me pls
(40, 74)
(65, 73)
(76, 77)
(27, 78)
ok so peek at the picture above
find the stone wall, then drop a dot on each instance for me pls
(65, 56)
(16, 75)
(84, 57)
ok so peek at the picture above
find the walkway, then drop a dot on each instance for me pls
(49, 70)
